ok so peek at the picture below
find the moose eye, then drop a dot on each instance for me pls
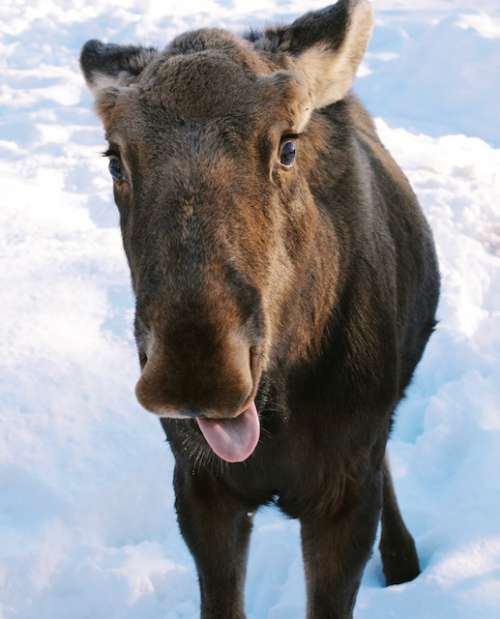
(115, 168)
(287, 153)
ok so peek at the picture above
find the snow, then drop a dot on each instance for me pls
(485, 25)
(86, 518)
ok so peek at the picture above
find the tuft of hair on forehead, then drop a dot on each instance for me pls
(236, 48)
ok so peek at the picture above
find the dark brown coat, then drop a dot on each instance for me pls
(309, 289)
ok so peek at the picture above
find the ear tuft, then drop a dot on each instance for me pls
(105, 64)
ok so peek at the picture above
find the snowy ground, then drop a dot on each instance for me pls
(87, 527)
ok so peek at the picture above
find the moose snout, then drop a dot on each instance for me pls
(211, 380)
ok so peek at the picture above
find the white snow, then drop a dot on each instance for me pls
(485, 25)
(87, 527)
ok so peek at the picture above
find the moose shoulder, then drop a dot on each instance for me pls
(286, 285)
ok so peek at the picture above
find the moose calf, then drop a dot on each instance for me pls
(286, 285)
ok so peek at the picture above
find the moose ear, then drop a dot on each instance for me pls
(326, 47)
(106, 65)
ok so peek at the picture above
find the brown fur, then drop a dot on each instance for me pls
(311, 289)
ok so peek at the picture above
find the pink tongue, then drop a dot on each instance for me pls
(233, 440)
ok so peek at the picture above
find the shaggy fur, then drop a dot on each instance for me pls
(311, 289)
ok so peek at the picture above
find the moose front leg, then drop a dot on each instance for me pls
(216, 527)
(336, 549)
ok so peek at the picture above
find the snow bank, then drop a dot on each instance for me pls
(87, 526)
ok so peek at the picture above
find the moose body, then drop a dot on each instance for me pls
(286, 286)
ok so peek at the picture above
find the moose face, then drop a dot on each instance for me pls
(212, 147)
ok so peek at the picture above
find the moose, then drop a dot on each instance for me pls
(286, 285)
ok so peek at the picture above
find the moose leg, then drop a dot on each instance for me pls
(216, 527)
(399, 555)
(336, 549)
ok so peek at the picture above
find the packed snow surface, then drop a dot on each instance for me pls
(87, 526)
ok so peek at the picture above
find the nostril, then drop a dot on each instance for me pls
(143, 358)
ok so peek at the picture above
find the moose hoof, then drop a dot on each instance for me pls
(400, 565)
